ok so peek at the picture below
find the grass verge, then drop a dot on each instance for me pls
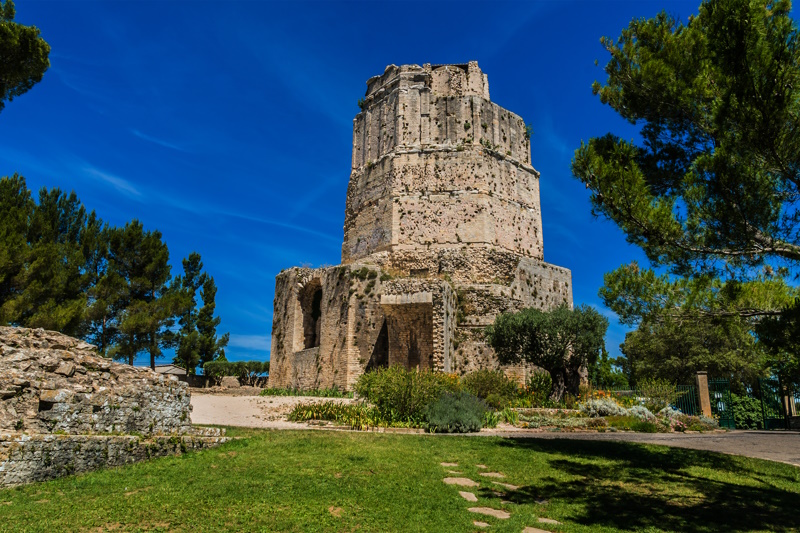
(338, 481)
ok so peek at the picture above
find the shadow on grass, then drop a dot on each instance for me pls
(633, 487)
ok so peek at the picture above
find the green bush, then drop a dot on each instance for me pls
(458, 412)
(631, 423)
(402, 395)
(746, 411)
(657, 393)
(538, 388)
(247, 371)
(492, 386)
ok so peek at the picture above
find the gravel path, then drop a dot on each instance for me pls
(270, 412)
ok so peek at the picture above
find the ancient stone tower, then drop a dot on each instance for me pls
(442, 232)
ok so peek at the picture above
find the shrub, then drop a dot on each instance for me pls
(631, 423)
(746, 411)
(538, 388)
(492, 386)
(670, 413)
(459, 412)
(657, 393)
(602, 407)
(641, 412)
(248, 372)
(402, 395)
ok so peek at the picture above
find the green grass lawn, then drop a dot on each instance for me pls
(337, 481)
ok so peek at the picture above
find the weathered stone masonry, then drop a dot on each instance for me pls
(63, 409)
(442, 232)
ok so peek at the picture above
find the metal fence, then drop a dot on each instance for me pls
(719, 392)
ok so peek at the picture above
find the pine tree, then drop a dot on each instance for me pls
(23, 55)
(16, 207)
(210, 347)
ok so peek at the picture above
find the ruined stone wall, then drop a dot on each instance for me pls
(28, 458)
(54, 383)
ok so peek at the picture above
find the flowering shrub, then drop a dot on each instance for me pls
(670, 413)
(603, 407)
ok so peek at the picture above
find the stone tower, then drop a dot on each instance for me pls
(442, 232)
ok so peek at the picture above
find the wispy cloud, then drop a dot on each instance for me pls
(608, 313)
(120, 184)
(250, 342)
(155, 140)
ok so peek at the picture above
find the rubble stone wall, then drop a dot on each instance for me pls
(54, 383)
(31, 458)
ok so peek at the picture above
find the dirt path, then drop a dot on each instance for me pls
(249, 411)
(270, 412)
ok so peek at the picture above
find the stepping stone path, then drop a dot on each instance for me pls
(547, 521)
(492, 474)
(508, 486)
(488, 511)
(482, 467)
(453, 472)
(449, 464)
(462, 481)
(469, 496)
(542, 501)
(480, 524)
(534, 530)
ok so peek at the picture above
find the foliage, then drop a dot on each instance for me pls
(321, 393)
(353, 415)
(780, 336)
(676, 349)
(248, 372)
(602, 407)
(746, 411)
(62, 268)
(23, 55)
(641, 412)
(492, 386)
(714, 177)
(560, 341)
(196, 342)
(455, 412)
(607, 373)
(657, 393)
(538, 388)
(711, 192)
(632, 423)
(402, 395)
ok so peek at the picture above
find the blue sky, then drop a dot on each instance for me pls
(228, 125)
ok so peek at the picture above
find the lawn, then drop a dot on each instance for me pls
(341, 481)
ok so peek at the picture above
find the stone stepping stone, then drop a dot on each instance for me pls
(547, 521)
(449, 464)
(534, 530)
(488, 511)
(492, 474)
(483, 467)
(508, 486)
(461, 481)
(542, 501)
(469, 496)
(453, 472)
(477, 523)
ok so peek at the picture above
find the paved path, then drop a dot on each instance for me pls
(270, 412)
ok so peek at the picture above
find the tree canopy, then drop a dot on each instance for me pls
(23, 55)
(62, 268)
(562, 341)
(710, 189)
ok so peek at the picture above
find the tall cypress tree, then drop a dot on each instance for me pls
(210, 346)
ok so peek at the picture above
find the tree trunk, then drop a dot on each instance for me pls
(559, 385)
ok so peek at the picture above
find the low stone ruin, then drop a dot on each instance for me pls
(64, 409)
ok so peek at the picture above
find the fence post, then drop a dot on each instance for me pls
(703, 396)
